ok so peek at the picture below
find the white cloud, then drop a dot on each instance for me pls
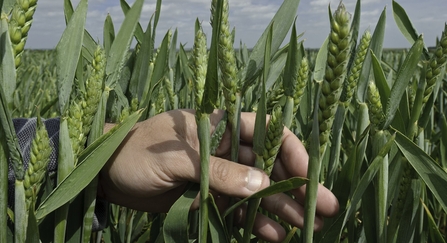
(250, 17)
(320, 3)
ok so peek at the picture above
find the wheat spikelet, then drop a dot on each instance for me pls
(74, 116)
(125, 112)
(301, 83)
(354, 72)
(436, 65)
(200, 64)
(171, 95)
(273, 139)
(375, 109)
(335, 73)
(275, 94)
(134, 104)
(93, 89)
(404, 187)
(217, 135)
(160, 102)
(39, 157)
(412, 90)
(19, 26)
(84, 104)
(227, 62)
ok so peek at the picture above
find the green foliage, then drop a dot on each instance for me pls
(386, 153)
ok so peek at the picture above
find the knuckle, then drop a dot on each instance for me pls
(221, 172)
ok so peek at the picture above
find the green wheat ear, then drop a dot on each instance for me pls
(170, 91)
(436, 64)
(407, 176)
(84, 104)
(227, 63)
(93, 89)
(160, 102)
(39, 157)
(303, 76)
(275, 94)
(273, 139)
(129, 109)
(354, 72)
(335, 73)
(217, 135)
(200, 64)
(19, 26)
(74, 121)
(375, 108)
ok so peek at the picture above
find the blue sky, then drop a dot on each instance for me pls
(249, 17)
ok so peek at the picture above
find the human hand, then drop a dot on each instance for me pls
(157, 159)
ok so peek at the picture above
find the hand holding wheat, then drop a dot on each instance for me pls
(150, 174)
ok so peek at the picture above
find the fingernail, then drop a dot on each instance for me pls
(254, 180)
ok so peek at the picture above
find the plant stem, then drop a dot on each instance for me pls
(252, 209)
(335, 149)
(203, 121)
(130, 226)
(89, 209)
(313, 173)
(235, 129)
(235, 137)
(379, 140)
(253, 205)
(3, 189)
(20, 212)
(66, 161)
(288, 112)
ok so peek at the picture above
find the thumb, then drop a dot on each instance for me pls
(237, 180)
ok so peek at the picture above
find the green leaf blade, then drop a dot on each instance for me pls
(7, 64)
(120, 46)
(285, 15)
(210, 94)
(380, 81)
(260, 124)
(376, 46)
(139, 30)
(291, 68)
(68, 51)
(431, 173)
(92, 159)
(175, 227)
(404, 75)
(320, 62)
(405, 25)
(278, 187)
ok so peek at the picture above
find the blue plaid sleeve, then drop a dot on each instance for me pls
(25, 130)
